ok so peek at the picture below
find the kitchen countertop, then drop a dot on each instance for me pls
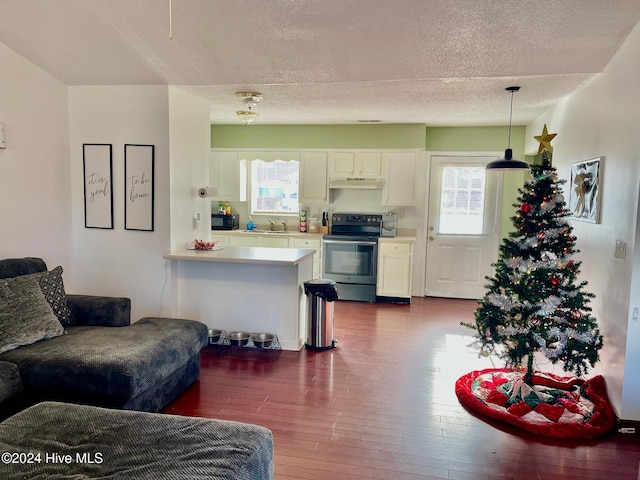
(250, 255)
(277, 233)
(398, 238)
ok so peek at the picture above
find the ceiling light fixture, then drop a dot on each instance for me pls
(247, 116)
(251, 100)
(508, 162)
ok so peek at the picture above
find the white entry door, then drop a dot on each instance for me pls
(462, 226)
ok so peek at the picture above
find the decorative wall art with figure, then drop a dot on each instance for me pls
(584, 201)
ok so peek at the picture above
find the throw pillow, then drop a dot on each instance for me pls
(53, 288)
(25, 315)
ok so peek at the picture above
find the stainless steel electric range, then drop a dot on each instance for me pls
(351, 255)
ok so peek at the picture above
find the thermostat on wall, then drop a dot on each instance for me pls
(3, 144)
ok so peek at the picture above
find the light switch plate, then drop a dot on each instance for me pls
(3, 143)
(621, 249)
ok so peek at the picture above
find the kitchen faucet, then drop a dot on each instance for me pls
(284, 226)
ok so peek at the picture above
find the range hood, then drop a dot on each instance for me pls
(358, 183)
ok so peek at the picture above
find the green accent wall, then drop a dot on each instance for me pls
(318, 136)
(480, 139)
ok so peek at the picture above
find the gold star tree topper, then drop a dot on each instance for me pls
(545, 140)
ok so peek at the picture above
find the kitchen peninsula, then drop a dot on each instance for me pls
(249, 289)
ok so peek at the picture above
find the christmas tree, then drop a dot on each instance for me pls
(535, 302)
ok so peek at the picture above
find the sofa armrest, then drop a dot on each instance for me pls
(92, 310)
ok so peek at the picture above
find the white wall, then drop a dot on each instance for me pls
(126, 262)
(35, 193)
(121, 262)
(190, 135)
(602, 119)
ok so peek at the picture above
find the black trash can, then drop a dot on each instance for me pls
(321, 293)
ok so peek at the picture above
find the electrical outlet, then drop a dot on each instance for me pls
(621, 250)
(3, 143)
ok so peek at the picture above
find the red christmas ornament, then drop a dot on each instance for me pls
(570, 263)
(541, 236)
(555, 281)
(576, 314)
(525, 208)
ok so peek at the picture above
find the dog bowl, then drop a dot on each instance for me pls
(214, 335)
(262, 340)
(238, 339)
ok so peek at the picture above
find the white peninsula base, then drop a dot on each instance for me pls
(249, 289)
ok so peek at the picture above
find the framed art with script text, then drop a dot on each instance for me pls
(97, 169)
(138, 187)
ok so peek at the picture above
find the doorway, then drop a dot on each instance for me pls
(462, 227)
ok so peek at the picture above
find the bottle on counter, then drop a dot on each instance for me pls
(302, 221)
(250, 224)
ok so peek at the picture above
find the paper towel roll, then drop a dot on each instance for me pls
(206, 192)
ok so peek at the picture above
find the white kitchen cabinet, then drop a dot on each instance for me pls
(275, 240)
(395, 260)
(314, 183)
(399, 188)
(314, 243)
(260, 240)
(223, 240)
(344, 164)
(249, 240)
(227, 173)
(282, 240)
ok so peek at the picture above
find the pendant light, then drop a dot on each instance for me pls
(508, 162)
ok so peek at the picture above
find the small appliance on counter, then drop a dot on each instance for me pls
(221, 221)
(389, 225)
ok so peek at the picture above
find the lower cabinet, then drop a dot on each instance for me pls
(223, 240)
(395, 260)
(314, 243)
(280, 241)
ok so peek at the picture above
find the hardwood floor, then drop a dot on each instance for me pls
(382, 405)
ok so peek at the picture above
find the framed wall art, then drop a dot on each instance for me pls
(585, 190)
(97, 169)
(138, 187)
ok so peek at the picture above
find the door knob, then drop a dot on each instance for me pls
(431, 229)
(431, 238)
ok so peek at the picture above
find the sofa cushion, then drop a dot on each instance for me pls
(108, 366)
(53, 288)
(12, 267)
(10, 383)
(121, 445)
(25, 315)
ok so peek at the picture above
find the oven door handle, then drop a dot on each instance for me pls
(349, 242)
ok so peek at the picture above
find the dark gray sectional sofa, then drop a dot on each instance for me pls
(60, 379)
(102, 359)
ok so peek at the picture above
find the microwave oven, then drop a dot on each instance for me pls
(224, 222)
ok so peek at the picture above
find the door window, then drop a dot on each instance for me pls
(462, 200)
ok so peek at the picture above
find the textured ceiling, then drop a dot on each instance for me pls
(438, 62)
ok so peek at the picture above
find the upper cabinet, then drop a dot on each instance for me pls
(227, 173)
(314, 185)
(395, 170)
(344, 164)
(399, 188)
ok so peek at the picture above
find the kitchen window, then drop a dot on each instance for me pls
(274, 186)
